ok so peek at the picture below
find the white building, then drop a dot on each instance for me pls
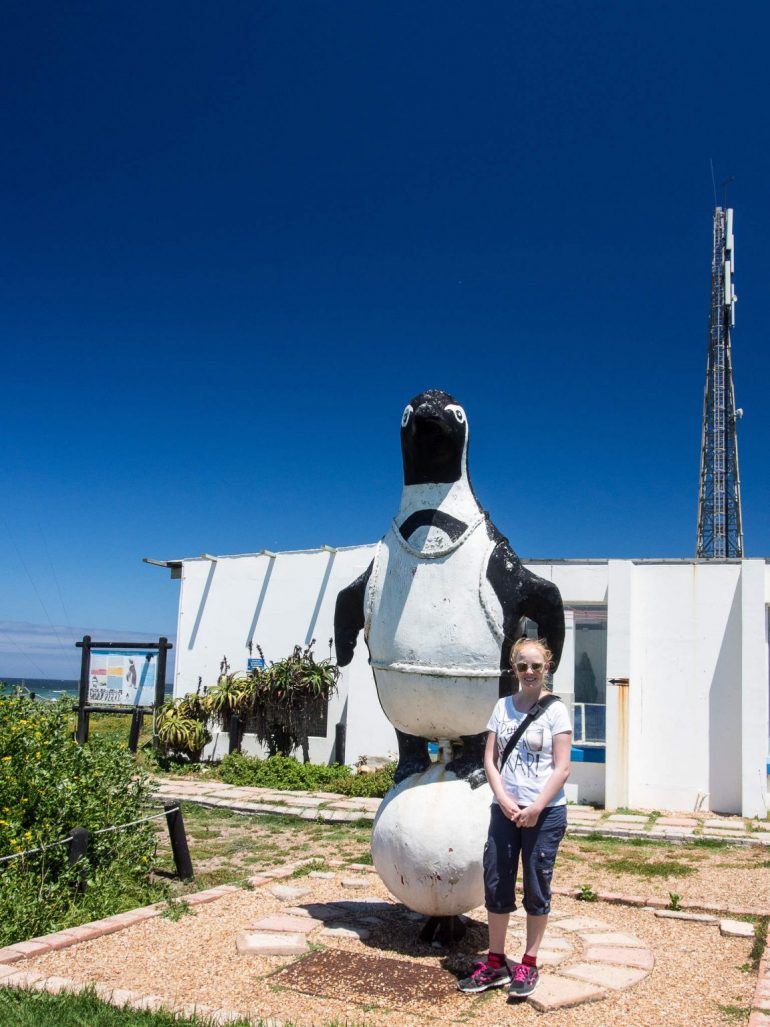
(667, 662)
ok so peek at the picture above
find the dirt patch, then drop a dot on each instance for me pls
(398, 982)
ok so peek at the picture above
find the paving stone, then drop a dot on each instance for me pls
(556, 992)
(724, 825)
(289, 924)
(552, 957)
(336, 862)
(612, 938)
(580, 923)
(339, 931)
(676, 822)
(6, 970)
(677, 914)
(322, 875)
(220, 1017)
(760, 825)
(284, 892)
(318, 910)
(150, 1003)
(736, 929)
(10, 954)
(619, 956)
(56, 985)
(621, 898)
(354, 882)
(626, 818)
(22, 979)
(367, 867)
(32, 948)
(582, 808)
(614, 977)
(263, 944)
(672, 832)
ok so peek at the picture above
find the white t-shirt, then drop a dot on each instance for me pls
(530, 764)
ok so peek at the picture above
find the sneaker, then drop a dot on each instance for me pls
(484, 977)
(525, 980)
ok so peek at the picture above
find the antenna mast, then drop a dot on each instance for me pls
(720, 524)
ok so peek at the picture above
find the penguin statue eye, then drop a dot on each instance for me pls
(458, 412)
(406, 415)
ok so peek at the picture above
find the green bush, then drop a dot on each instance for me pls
(284, 773)
(48, 785)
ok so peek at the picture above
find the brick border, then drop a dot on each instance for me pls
(13, 976)
(760, 1007)
(621, 899)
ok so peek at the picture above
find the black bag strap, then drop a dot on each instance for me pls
(540, 707)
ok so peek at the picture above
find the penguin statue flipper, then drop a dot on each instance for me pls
(350, 616)
(522, 595)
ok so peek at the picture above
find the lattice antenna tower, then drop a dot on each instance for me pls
(720, 524)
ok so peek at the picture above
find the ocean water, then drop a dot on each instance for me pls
(53, 688)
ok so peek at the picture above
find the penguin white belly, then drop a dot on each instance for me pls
(435, 642)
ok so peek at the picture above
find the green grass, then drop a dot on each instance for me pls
(36, 1009)
(734, 1014)
(760, 940)
(659, 868)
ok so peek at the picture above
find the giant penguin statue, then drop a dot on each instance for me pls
(443, 600)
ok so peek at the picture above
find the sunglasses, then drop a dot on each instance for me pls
(523, 667)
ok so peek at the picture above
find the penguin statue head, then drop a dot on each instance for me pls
(434, 439)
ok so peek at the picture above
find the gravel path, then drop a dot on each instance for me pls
(195, 960)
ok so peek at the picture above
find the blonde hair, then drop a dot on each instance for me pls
(542, 646)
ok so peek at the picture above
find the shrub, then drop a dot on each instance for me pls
(48, 785)
(284, 773)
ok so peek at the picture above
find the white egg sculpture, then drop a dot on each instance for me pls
(428, 842)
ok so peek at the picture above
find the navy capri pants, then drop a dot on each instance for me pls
(537, 847)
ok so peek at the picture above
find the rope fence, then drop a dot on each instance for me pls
(78, 839)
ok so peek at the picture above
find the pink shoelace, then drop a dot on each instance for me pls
(521, 973)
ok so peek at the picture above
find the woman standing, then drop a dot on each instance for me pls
(528, 816)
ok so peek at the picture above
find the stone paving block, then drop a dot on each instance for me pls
(760, 825)
(579, 923)
(10, 954)
(322, 911)
(613, 977)
(284, 892)
(619, 956)
(366, 867)
(322, 875)
(336, 862)
(289, 924)
(261, 943)
(552, 957)
(724, 825)
(612, 938)
(621, 898)
(672, 832)
(340, 931)
(677, 822)
(221, 1017)
(677, 914)
(32, 948)
(354, 882)
(22, 979)
(6, 970)
(556, 992)
(149, 1003)
(626, 818)
(759, 1019)
(736, 929)
(56, 985)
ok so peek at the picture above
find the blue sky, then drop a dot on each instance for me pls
(238, 237)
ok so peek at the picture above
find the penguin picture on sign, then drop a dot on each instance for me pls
(443, 600)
